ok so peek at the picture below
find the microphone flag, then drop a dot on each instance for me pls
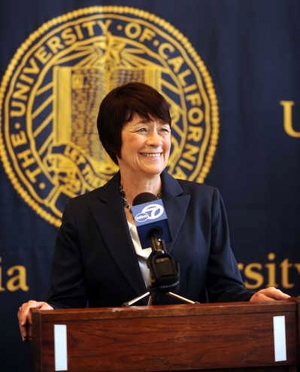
(151, 219)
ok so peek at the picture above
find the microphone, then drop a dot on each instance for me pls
(150, 218)
(153, 229)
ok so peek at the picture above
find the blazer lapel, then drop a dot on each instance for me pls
(107, 208)
(176, 204)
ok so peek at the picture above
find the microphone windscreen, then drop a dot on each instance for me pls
(144, 197)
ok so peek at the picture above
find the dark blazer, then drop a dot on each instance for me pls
(95, 263)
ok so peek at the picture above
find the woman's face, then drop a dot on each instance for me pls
(145, 146)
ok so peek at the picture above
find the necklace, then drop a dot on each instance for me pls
(125, 201)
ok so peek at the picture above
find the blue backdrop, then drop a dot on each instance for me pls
(231, 72)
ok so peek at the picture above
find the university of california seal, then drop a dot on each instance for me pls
(52, 88)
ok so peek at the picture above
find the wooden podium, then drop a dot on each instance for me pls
(236, 336)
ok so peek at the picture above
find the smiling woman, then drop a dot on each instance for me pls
(141, 145)
(145, 152)
(99, 260)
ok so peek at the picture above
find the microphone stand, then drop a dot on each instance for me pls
(164, 274)
(150, 294)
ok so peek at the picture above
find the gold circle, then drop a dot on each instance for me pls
(127, 41)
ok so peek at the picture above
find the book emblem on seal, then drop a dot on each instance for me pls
(52, 88)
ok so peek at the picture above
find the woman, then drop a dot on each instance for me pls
(98, 260)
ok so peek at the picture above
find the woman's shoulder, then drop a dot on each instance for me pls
(100, 192)
(81, 205)
(177, 187)
(196, 187)
(201, 192)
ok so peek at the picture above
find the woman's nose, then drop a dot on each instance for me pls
(154, 138)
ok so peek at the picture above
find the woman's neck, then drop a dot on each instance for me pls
(133, 186)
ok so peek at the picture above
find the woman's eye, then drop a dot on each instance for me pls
(141, 130)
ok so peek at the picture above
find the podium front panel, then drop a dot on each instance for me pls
(166, 338)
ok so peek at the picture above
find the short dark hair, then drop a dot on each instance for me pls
(118, 108)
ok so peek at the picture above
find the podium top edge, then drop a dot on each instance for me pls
(274, 307)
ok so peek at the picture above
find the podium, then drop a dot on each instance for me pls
(238, 336)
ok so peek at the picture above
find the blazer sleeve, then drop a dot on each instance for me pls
(224, 280)
(67, 287)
